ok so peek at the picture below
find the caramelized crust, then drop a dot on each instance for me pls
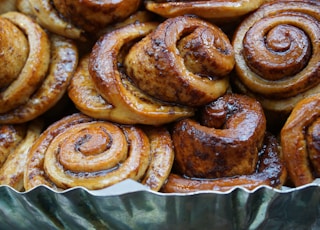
(229, 147)
(270, 171)
(225, 142)
(300, 141)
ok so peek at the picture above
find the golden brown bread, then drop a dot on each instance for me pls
(129, 96)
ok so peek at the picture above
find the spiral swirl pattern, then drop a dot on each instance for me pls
(101, 88)
(277, 53)
(185, 60)
(26, 93)
(300, 141)
(81, 151)
(38, 58)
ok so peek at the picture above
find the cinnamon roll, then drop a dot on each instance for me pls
(277, 54)
(48, 17)
(185, 60)
(300, 141)
(216, 10)
(101, 88)
(15, 142)
(74, 19)
(26, 93)
(227, 147)
(81, 151)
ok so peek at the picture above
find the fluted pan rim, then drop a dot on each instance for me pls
(131, 187)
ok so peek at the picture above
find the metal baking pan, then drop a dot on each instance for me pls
(129, 205)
